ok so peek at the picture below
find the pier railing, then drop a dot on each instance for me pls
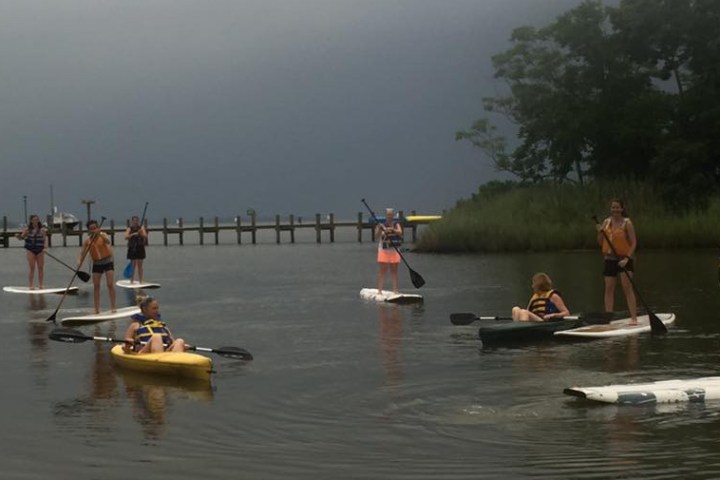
(283, 228)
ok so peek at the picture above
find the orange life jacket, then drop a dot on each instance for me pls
(619, 238)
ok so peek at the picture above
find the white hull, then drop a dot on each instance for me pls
(617, 328)
(667, 391)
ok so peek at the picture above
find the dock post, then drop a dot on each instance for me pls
(165, 231)
(217, 232)
(292, 228)
(200, 231)
(317, 228)
(401, 214)
(112, 232)
(359, 227)
(48, 219)
(180, 226)
(332, 228)
(238, 229)
(6, 241)
(253, 220)
(414, 229)
(277, 228)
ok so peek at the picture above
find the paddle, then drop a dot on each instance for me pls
(84, 276)
(70, 335)
(656, 325)
(415, 277)
(596, 317)
(128, 272)
(52, 318)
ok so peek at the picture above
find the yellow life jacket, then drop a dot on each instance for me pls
(541, 305)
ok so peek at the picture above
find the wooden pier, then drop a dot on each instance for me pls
(282, 229)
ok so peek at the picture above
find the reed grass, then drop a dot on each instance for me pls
(512, 218)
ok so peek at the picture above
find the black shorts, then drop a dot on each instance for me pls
(103, 267)
(613, 270)
(137, 253)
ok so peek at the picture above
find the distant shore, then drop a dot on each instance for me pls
(541, 218)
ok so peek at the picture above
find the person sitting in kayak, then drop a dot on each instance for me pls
(148, 334)
(546, 303)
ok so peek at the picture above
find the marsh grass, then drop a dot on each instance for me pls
(558, 217)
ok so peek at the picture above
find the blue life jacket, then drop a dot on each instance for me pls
(34, 241)
(150, 327)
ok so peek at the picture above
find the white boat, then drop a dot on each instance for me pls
(63, 218)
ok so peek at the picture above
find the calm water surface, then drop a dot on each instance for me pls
(343, 388)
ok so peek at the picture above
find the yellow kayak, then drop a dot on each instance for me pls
(176, 364)
(423, 218)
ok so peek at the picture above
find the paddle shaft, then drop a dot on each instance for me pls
(84, 276)
(72, 279)
(415, 277)
(656, 325)
(69, 335)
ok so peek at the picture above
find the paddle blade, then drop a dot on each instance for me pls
(463, 318)
(84, 276)
(234, 352)
(416, 279)
(657, 327)
(68, 335)
(128, 272)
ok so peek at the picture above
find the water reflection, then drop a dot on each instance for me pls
(390, 322)
(150, 397)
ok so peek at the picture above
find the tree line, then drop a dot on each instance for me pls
(607, 92)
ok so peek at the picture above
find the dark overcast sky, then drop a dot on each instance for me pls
(211, 107)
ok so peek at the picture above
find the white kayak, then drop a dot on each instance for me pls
(616, 328)
(99, 317)
(666, 391)
(389, 296)
(136, 285)
(37, 291)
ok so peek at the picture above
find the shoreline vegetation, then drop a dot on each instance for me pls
(512, 217)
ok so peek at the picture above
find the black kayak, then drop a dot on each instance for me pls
(508, 332)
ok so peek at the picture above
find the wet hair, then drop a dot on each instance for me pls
(90, 222)
(143, 301)
(622, 205)
(544, 283)
(134, 217)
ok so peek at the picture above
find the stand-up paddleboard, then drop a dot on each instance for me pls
(666, 391)
(99, 317)
(616, 328)
(36, 291)
(423, 218)
(389, 296)
(136, 285)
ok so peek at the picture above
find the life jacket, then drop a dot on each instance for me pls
(150, 327)
(34, 240)
(541, 305)
(136, 241)
(388, 241)
(619, 238)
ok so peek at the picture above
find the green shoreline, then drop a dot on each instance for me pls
(508, 217)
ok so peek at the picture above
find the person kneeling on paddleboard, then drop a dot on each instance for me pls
(546, 303)
(147, 334)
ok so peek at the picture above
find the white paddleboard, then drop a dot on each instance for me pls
(99, 317)
(666, 391)
(389, 296)
(616, 328)
(37, 291)
(136, 285)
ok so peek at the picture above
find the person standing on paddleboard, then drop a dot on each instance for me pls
(147, 334)
(618, 258)
(98, 245)
(545, 304)
(35, 236)
(390, 234)
(136, 237)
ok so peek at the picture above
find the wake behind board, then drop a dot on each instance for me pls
(136, 285)
(98, 317)
(37, 291)
(390, 297)
(617, 328)
(666, 391)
